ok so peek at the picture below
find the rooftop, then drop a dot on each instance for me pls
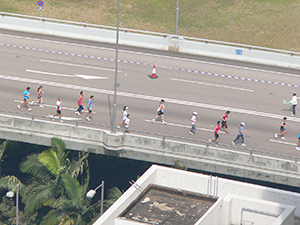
(163, 205)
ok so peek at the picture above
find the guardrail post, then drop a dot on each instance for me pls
(32, 117)
(251, 152)
(76, 124)
(296, 160)
(164, 137)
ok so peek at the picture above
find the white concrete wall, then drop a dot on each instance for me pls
(170, 42)
(213, 215)
(184, 180)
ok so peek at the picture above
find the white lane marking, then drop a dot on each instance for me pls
(216, 85)
(283, 142)
(83, 66)
(87, 77)
(53, 106)
(63, 118)
(183, 126)
(148, 97)
(153, 55)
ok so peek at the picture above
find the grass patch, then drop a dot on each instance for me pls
(267, 23)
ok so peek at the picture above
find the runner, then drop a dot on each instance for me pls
(224, 120)
(282, 128)
(39, 97)
(160, 112)
(124, 115)
(298, 147)
(25, 99)
(193, 122)
(90, 106)
(79, 100)
(58, 110)
(127, 124)
(217, 132)
(294, 104)
(240, 134)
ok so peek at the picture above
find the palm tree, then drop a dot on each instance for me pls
(51, 171)
(113, 194)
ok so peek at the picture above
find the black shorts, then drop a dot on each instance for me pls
(282, 128)
(160, 112)
(224, 124)
(216, 135)
(90, 110)
(58, 111)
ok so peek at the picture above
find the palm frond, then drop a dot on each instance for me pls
(3, 147)
(10, 182)
(59, 146)
(50, 159)
(33, 166)
(52, 217)
(73, 189)
(35, 198)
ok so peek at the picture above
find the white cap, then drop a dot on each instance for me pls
(195, 113)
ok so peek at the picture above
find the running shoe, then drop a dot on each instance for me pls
(209, 140)
(276, 136)
(31, 103)
(163, 122)
(153, 121)
(191, 133)
(18, 106)
(52, 119)
(118, 126)
(227, 133)
(29, 109)
(61, 121)
(232, 143)
(243, 145)
(41, 106)
(283, 138)
(217, 144)
(88, 119)
(297, 148)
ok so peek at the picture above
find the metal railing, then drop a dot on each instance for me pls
(170, 137)
(207, 41)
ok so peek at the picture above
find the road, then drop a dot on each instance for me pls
(253, 93)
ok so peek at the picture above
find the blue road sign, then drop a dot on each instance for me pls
(40, 3)
(238, 51)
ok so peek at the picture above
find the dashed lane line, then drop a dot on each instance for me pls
(147, 64)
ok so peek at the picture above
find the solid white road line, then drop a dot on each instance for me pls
(53, 106)
(87, 77)
(215, 85)
(83, 66)
(147, 97)
(183, 126)
(283, 142)
(63, 118)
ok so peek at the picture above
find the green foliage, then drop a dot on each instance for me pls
(178, 166)
(55, 186)
(113, 195)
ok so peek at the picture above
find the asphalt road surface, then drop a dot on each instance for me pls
(253, 93)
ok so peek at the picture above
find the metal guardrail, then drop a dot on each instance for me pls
(207, 41)
(165, 136)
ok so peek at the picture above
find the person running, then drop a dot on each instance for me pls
(282, 129)
(160, 112)
(298, 147)
(79, 100)
(224, 118)
(240, 134)
(90, 106)
(58, 110)
(39, 97)
(294, 104)
(25, 99)
(217, 133)
(127, 124)
(193, 122)
(124, 115)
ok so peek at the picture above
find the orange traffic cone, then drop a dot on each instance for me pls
(153, 76)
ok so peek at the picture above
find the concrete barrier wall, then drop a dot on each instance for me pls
(170, 42)
(151, 149)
